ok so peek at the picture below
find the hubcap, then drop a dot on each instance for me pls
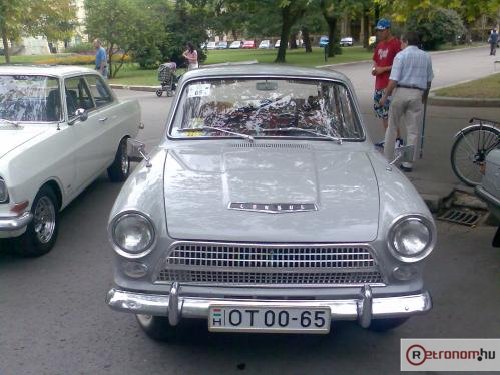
(44, 219)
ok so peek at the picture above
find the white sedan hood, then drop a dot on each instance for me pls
(199, 187)
(12, 138)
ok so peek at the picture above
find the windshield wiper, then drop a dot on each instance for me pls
(16, 124)
(293, 128)
(205, 127)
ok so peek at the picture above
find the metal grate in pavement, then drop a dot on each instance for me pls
(464, 217)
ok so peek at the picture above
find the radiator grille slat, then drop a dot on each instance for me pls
(235, 264)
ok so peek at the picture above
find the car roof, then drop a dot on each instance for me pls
(48, 70)
(279, 70)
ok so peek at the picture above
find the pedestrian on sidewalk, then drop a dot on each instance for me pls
(387, 48)
(493, 40)
(101, 59)
(191, 55)
(410, 80)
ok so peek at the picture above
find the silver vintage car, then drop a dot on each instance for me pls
(266, 208)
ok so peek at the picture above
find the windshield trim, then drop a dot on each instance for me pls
(352, 99)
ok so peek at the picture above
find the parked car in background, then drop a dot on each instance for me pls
(372, 40)
(323, 41)
(211, 45)
(266, 208)
(236, 44)
(346, 42)
(249, 44)
(277, 44)
(265, 44)
(489, 188)
(60, 128)
(222, 45)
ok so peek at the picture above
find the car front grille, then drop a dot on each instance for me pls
(260, 265)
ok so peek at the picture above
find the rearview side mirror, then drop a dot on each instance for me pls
(136, 151)
(80, 114)
(403, 154)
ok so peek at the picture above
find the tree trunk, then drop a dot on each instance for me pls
(285, 31)
(307, 39)
(110, 55)
(293, 41)
(333, 39)
(366, 26)
(233, 32)
(5, 44)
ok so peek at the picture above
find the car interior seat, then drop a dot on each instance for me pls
(53, 106)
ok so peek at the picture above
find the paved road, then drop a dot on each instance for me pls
(54, 320)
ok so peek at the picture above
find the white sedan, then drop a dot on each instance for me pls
(60, 128)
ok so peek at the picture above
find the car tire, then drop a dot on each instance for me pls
(119, 170)
(157, 327)
(386, 324)
(41, 232)
(159, 93)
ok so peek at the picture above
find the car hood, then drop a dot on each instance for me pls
(12, 138)
(199, 186)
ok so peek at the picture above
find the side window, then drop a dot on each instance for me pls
(77, 95)
(99, 90)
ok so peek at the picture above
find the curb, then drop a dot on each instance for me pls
(134, 88)
(446, 101)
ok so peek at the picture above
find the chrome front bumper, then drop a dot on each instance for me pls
(16, 223)
(363, 309)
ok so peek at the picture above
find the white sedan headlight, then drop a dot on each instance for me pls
(4, 195)
(412, 238)
(133, 234)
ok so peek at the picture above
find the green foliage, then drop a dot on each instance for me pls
(148, 57)
(53, 19)
(79, 48)
(125, 26)
(184, 24)
(435, 26)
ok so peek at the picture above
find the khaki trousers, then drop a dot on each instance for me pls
(406, 110)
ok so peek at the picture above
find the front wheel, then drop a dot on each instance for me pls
(159, 92)
(157, 327)
(118, 171)
(469, 151)
(41, 233)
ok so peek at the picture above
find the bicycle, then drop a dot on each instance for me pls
(470, 148)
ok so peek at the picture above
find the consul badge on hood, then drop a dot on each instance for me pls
(273, 208)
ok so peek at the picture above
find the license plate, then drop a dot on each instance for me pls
(268, 319)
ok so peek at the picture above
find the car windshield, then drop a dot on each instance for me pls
(298, 108)
(30, 98)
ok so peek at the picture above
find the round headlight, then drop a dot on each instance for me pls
(412, 238)
(133, 234)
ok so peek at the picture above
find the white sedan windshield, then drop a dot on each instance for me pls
(300, 108)
(29, 98)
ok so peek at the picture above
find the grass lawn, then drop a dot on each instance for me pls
(130, 74)
(482, 88)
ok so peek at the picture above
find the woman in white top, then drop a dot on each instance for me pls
(191, 56)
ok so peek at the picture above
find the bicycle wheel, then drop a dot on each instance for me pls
(469, 152)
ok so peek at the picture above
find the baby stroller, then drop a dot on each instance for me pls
(167, 78)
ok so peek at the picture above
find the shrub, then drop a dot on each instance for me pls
(77, 60)
(436, 26)
(82, 47)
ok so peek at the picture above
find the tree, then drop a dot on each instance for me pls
(125, 26)
(435, 26)
(332, 10)
(291, 12)
(53, 19)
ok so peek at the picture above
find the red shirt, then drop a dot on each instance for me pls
(384, 56)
